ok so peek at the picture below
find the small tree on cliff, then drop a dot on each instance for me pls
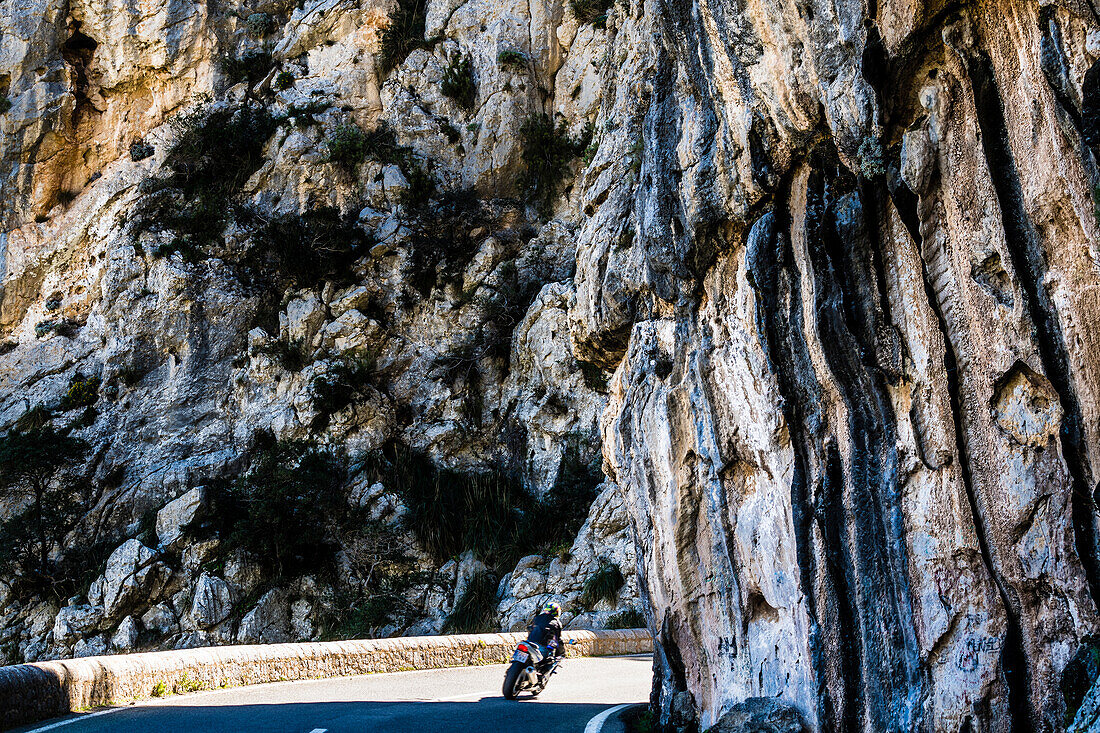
(44, 507)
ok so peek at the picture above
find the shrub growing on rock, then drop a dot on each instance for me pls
(279, 511)
(49, 505)
(33, 419)
(442, 243)
(284, 80)
(215, 153)
(345, 382)
(404, 34)
(474, 612)
(291, 512)
(503, 309)
(548, 150)
(487, 511)
(82, 392)
(575, 488)
(592, 11)
(308, 249)
(140, 150)
(513, 60)
(259, 24)
(602, 585)
(293, 356)
(302, 115)
(458, 81)
(631, 618)
(347, 146)
(249, 67)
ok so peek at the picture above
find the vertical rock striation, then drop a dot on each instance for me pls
(855, 412)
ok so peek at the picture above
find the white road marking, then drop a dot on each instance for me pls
(484, 693)
(596, 724)
(85, 716)
(319, 730)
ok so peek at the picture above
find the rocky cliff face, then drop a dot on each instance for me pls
(855, 413)
(255, 254)
(841, 256)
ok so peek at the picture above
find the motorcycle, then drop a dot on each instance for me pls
(531, 668)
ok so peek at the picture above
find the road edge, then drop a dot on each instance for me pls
(610, 720)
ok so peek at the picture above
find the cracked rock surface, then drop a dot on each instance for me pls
(445, 329)
(821, 274)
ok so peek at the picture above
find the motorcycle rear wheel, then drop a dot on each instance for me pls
(511, 680)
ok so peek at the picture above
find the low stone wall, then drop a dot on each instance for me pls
(33, 692)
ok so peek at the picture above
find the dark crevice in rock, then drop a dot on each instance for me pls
(763, 173)
(775, 280)
(1055, 65)
(672, 657)
(850, 322)
(1030, 264)
(1090, 108)
(77, 53)
(1017, 676)
(839, 567)
(876, 64)
(886, 341)
(907, 206)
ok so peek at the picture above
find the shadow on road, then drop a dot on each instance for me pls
(487, 714)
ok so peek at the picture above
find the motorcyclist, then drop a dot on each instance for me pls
(545, 630)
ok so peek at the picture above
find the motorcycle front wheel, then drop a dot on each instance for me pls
(511, 680)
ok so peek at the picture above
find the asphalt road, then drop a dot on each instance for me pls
(435, 701)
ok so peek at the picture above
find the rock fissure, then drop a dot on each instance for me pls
(1013, 659)
(1029, 264)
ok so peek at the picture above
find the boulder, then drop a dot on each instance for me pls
(176, 516)
(93, 647)
(301, 620)
(468, 567)
(195, 554)
(160, 619)
(133, 576)
(758, 715)
(304, 316)
(125, 637)
(268, 622)
(353, 298)
(527, 582)
(95, 592)
(74, 622)
(243, 573)
(212, 602)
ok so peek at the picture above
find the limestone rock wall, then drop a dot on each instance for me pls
(457, 319)
(840, 255)
(855, 406)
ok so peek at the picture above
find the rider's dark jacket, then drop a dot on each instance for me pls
(544, 629)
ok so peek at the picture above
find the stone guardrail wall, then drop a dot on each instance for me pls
(33, 692)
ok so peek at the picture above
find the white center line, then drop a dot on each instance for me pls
(78, 718)
(486, 693)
